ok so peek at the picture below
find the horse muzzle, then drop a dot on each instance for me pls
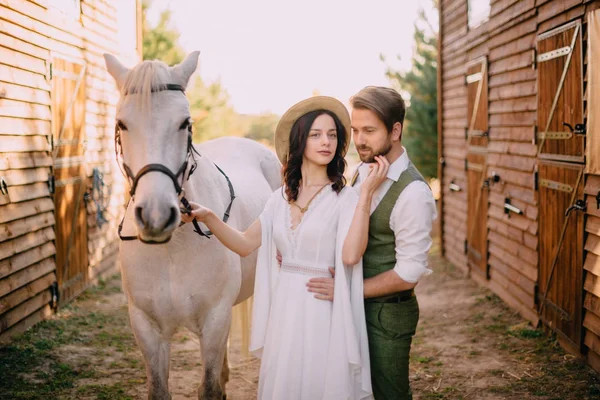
(156, 223)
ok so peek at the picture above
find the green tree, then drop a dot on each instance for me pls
(212, 114)
(209, 103)
(262, 128)
(160, 42)
(420, 130)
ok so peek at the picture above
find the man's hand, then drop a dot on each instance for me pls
(279, 258)
(323, 287)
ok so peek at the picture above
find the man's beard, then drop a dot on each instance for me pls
(369, 158)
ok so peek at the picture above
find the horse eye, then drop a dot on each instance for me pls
(121, 126)
(185, 125)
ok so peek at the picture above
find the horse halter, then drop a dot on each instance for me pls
(135, 178)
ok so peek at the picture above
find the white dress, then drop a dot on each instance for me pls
(309, 348)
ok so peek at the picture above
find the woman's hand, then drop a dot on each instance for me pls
(377, 174)
(199, 213)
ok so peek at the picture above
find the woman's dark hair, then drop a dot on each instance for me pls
(292, 174)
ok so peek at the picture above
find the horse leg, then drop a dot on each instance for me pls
(225, 374)
(156, 351)
(213, 343)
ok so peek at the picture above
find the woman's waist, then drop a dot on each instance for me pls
(315, 269)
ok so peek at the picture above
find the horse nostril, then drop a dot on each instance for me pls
(172, 217)
(139, 216)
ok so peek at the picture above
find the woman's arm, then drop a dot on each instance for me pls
(355, 243)
(242, 243)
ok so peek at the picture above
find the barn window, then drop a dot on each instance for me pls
(71, 8)
(478, 12)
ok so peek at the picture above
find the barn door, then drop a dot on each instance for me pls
(560, 128)
(69, 177)
(560, 185)
(476, 165)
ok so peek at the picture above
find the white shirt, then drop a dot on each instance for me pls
(411, 219)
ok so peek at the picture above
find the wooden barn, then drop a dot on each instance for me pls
(61, 192)
(519, 129)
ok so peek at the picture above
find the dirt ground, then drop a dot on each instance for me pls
(469, 345)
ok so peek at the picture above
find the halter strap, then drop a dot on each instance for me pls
(162, 88)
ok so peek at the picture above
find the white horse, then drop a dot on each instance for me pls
(171, 275)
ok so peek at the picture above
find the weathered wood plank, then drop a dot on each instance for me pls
(523, 149)
(513, 105)
(24, 160)
(23, 47)
(27, 192)
(23, 260)
(518, 163)
(20, 327)
(22, 226)
(592, 244)
(9, 248)
(25, 176)
(20, 109)
(22, 93)
(521, 89)
(22, 278)
(24, 143)
(592, 264)
(14, 211)
(23, 78)
(517, 134)
(526, 118)
(26, 308)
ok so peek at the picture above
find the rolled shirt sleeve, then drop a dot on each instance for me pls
(411, 220)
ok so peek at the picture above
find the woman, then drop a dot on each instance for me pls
(310, 348)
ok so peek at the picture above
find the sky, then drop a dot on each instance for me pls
(270, 54)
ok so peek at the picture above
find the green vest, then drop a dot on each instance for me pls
(380, 255)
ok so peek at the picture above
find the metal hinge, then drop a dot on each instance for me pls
(48, 70)
(55, 295)
(533, 59)
(466, 164)
(51, 184)
(536, 185)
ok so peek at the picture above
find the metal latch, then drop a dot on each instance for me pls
(508, 208)
(580, 205)
(3, 187)
(454, 187)
(580, 129)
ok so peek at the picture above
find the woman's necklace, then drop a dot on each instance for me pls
(305, 208)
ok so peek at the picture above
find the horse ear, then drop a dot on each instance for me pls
(182, 72)
(117, 70)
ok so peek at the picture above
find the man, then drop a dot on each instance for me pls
(402, 211)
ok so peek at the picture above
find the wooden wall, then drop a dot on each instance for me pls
(32, 34)
(507, 41)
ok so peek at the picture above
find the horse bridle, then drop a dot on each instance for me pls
(135, 178)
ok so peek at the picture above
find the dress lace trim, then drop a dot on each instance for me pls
(293, 230)
(303, 270)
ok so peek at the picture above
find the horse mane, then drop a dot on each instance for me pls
(143, 79)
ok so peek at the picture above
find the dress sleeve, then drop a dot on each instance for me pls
(348, 341)
(266, 277)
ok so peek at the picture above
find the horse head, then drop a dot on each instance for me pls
(153, 140)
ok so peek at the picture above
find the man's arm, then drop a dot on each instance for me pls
(387, 282)
(411, 221)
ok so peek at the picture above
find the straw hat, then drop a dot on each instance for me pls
(284, 127)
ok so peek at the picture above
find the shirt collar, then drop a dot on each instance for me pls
(396, 168)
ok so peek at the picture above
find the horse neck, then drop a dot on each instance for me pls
(207, 186)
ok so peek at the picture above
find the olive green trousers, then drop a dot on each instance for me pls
(390, 328)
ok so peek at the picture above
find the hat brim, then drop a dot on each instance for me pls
(284, 127)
